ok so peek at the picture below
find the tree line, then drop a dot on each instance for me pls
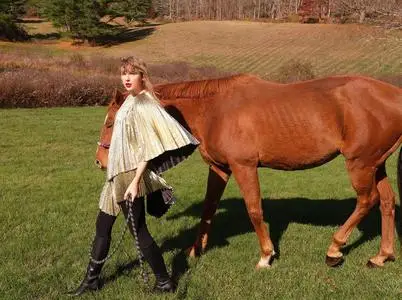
(272, 9)
(89, 19)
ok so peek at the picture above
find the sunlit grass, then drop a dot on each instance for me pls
(49, 193)
(251, 47)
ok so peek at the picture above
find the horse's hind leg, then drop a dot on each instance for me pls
(387, 207)
(217, 180)
(247, 178)
(363, 181)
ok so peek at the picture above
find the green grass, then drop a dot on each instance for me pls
(49, 193)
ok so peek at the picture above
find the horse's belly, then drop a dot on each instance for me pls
(280, 139)
(298, 154)
(290, 164)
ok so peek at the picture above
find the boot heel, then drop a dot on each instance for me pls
(167, 286)
(85, 286)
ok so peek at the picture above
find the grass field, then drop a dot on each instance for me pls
(49, 193)
(259, 48)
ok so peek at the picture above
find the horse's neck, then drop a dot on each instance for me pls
(188, 102)
(185, 111)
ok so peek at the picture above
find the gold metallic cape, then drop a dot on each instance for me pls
(143, 131)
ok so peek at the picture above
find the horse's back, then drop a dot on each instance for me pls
(294, 126)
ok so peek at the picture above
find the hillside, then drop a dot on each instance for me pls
(259, 48)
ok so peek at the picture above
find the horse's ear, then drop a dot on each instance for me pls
(118, 97)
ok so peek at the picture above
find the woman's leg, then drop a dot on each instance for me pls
(103, 237)
(100, 249)
(148, 247)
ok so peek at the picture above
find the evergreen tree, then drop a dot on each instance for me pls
(62, 13)
(82, 18)
(10, 10)
(131, 10)
(37, 5)
(17, 8)
(87, 23)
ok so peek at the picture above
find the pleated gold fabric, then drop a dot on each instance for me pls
(113, 190)
(142, 131)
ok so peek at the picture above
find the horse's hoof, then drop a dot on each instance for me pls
(334, 261)
(190, 252)
(372, 265)
(263, 264)
(193, 251)
(391, 258)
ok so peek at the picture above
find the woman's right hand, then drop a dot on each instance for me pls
(132, 190)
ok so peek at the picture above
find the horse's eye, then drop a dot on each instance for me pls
(109, 123)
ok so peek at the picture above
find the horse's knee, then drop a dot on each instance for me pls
(363, 206)
(366, 203)
(387, 206)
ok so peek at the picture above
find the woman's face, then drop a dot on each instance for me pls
(132, 82)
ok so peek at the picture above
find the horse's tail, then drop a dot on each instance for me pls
(399, 179)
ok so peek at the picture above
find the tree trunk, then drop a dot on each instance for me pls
(329, 9)
(362, 16)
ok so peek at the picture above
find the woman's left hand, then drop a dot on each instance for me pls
(132, 190)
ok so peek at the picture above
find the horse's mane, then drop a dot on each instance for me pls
(188, 89)
(200, 88)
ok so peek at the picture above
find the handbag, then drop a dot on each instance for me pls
(159, 202)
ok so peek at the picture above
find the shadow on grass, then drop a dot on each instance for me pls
(31, 21)
(124, 36)
(147, 24)
(232, 220)
(118, 37)
(47, 36)
(122, 269)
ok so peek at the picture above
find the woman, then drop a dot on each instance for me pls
(145, 142)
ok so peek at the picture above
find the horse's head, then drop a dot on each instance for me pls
(102, 151)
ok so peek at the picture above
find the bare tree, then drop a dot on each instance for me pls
(365, 7)
(275, 9)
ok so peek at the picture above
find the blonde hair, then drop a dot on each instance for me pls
(132, 64)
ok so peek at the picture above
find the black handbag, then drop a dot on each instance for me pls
(159, 202)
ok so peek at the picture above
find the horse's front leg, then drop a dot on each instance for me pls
(217, 180)
(247, 178)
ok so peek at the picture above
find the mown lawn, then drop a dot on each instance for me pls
(49, 192)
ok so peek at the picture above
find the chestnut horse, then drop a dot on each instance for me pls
(244, 122)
